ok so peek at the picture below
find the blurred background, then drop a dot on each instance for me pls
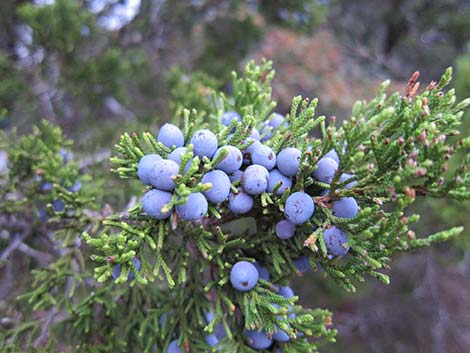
(98, 68)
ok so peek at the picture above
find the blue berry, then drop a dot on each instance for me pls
(345, 207)
(274, 178)
(227, 118)
(116, 272)
(285, 229)
(220, 188)
(333, 155)
(326, 169)
(263, 155)
(288, 161)
(280, 335)
(345, 177)
(240, 203)
(255, 179)
(302, 264)
(299, 207)
(47, 186)
(144, 168)
(170, 135)
(262, 271)
(286, 292)
(258, 339)
(173, 347)
(66, 155)
(236, 175)
(58, 205)
(220, 331)
(212, 339)
(249, 150)
(194, 208)
(244, 276)
(42, 215)
(255, 134)
(232, 162)
(276, 120)
(335, 241)
(131, 274)
(209, 316)
(176, 156)
(204, 143)
(153, 202)
(162, 173)
(75, 187)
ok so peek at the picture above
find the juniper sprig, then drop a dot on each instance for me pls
(344, 194)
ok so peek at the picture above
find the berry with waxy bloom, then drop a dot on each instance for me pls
(244, 276)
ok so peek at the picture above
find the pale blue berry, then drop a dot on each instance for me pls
(345, 207)
(345, 177)
(144, 168)
(249, 150)
(204, 143)
(335, 241)
(171, 136)
(276, 120)
(299, 207)
(258, 339)
(255, 179)
(227, 117)
(240, 202)
(220, 188)
(285, 229)
(333, 155)
(236, 175)
(280, 335)
(288, 161)
(153, 202)
(255, 134)
(244, 276)
(263, 155)
(162, 173)
(212, 339)
(176, 156)
(232, 162)
(275, 177)
(326, 169)
(173, 347)
(194, 208)
(286, 292)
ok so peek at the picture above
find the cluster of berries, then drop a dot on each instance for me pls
(235, 181)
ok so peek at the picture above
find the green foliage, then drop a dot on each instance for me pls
(59, 27)
(448, 211)
(190, 90)
(95, 78)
